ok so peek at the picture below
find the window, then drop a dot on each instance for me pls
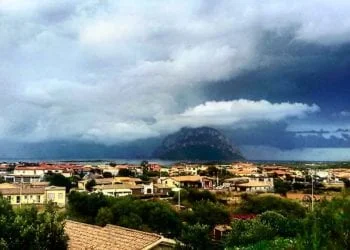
(60, 196)
(38, 198)
(51, 196)
(18, 199)
(9, 198)
(25, 197)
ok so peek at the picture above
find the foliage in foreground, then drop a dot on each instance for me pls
(26, 228)
(327, 227)
(95, 208)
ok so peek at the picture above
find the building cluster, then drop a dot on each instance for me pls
(35, 193)
(24, 183)
(28, 184)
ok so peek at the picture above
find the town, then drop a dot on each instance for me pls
(180, 186)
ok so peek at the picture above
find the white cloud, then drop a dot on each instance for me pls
(104, 70)
(235, 113)
(345, 113)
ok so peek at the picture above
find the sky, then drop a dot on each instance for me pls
(274, 75)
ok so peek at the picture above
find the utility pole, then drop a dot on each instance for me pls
(312, 191)
(217, 179)
(179, 195)
(20, 194)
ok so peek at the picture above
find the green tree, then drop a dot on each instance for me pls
(104, 216)
(84, 207)
(195, 237)
(50, 231)
(328, 227)
(59, 180)
(26, 228)
(90, 184)
(281, 187)
(124, 172)
(246, 232)
(212, 171)
(107, 175)
(208, 213)
(255, 204)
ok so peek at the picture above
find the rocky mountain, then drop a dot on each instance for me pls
(202, 144)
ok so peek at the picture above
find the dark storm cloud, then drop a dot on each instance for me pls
(278, 136)
(116, 71)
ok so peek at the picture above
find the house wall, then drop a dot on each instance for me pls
(169, 182)
(116, 192)
(25, 199)
(57, 196)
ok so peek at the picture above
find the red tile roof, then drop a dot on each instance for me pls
(85, 236)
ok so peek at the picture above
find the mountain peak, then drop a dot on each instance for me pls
(203, 143)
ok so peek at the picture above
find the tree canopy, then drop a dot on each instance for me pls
(26, 228)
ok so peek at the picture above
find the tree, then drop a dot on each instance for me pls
(90, 184)
(197, 195)
(281, 187)
(195, 237)
(245, 232)
(28, 229)
(328, 227)
(255, 204)
(212, 171)
(59, 180)
(208, 213)
(84, 207)
(107, 175)
(50, 232)
(145, 167)
(104, 216)
(112, 164)
(124, 172)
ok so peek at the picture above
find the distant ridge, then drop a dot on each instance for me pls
(197, 144)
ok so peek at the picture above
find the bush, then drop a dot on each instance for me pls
(255, 204)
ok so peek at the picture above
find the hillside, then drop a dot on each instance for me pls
(202, 144)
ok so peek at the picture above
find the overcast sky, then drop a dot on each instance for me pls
(273, 74)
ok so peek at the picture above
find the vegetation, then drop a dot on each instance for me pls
(155, 216)
(281, 187)
(124, 172)
(90, 184)
(254, 204)
(59, 180)
(26, 228)
(195, 237)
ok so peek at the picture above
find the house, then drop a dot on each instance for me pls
(250, 184)
(128, 180)
(110, 181)
(161, 189)
(152, 166)
(243, 169)
(4, 169)
(85, 236)
(254, 186)
(177, 170)
(190, 181)
(220, 231)
(56, 195)
(25, 194)
(35, 173)
(168, 182)
(117, 190)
